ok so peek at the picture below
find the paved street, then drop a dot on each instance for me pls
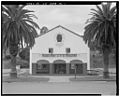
(82, 87)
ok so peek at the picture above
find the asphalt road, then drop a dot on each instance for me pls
(82, 87)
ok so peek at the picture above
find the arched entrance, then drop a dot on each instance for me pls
(42, 67)
(59, 67)
(79, 66)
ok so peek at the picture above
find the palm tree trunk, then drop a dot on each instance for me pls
(13, 52)
(106, 63)
(13, 73)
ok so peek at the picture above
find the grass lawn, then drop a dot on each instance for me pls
(93, 78)
(25, 79)
(23, 76)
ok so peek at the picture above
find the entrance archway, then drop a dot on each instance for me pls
(59, 67)
(79, 66)
(42, 67)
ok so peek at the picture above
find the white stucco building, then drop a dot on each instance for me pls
(58, 51)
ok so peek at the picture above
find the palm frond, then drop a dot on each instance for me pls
(99, 10)
(21, 7)
(101, 26)
(6, 11)
(32, 23)
(18, 26)
(22, 12)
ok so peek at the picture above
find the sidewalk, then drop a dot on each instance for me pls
(59, 79)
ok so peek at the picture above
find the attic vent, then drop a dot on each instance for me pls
(59, 38)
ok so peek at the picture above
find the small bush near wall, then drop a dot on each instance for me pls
(6, 63)
(7, 57)
(24, 65)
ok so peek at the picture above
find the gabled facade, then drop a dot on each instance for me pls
(58, 52)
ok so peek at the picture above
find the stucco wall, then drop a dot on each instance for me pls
(37, 56)
(70, 40)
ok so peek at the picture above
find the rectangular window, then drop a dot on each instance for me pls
(67, 50)
(51, 50)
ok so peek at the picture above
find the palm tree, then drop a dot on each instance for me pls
(101, 29)
(18, 30)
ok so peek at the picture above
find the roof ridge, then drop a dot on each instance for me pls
(63, 28)
(71, 31)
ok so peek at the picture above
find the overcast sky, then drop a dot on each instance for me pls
(72, 17)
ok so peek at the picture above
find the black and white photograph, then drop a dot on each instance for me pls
(59, 48)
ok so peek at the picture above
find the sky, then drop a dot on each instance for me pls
(72, 17)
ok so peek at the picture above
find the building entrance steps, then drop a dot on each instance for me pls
(59, 79)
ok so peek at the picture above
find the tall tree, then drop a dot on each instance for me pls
(44, 30)
(101, 29)
(18, 30)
